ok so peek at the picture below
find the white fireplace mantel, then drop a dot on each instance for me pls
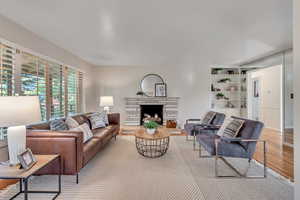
(133, 108)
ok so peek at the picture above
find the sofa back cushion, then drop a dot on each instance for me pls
(251, 130)
(208, 118)
(218, 119)
(81, 119)
(113, 118)
(39, 126)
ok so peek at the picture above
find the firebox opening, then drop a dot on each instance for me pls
(152, 112)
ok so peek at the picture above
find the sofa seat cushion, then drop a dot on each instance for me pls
(81, 119)
(226, 149)
(232, 149)
(91, 148)
(103, 132)
(198, 129)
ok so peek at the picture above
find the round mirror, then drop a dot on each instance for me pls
(148, 84)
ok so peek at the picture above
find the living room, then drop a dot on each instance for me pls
(115, 57)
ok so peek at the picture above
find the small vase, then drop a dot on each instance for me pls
(150, 131)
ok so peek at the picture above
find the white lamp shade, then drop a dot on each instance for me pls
(106, 101)
(19, 110)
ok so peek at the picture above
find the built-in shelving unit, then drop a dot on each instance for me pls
(229, 90)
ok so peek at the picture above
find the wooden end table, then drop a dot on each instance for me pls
(8, 172)
(152, 146)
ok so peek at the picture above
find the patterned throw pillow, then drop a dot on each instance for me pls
(224, 125)
(58, 125)
(72, 123)
(208, 117)
(98, 120)
(233, 128)
(87, 133)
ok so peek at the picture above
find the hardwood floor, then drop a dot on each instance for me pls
(5, 183)
(280, 158)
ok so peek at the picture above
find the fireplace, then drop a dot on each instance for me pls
(153, 113)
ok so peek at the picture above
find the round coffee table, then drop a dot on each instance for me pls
(152, 146)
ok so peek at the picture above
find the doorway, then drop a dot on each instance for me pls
(266, 96)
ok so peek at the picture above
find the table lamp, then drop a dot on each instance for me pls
(15, 113)
(106, 102)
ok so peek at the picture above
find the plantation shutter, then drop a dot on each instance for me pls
(56, 91)
(79, 92)
(58, 87)
(7, 69)
(33, 79)
(72, 91)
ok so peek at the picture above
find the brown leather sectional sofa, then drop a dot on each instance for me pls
(69, 144)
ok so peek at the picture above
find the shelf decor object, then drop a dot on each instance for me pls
(148, 83)
(15, 113)
(160, 89)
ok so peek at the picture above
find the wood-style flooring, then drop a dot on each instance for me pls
(280, 158)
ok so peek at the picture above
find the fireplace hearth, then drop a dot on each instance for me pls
(133, 108)
(151, 113)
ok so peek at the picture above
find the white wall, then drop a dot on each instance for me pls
(190, 83)
(20, 36)
(289, 89)
(297, 97)
(270, 111)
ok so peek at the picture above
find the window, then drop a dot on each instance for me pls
(57, 91)
(7, 67)
(33, 79)
(72, 91)
(59, 87)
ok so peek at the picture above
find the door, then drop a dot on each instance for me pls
(256, 99)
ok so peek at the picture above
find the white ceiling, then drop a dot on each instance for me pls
(158, 32)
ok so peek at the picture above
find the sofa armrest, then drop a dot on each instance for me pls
(69, 144)
(114, 118)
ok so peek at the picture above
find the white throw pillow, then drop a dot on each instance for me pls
(72, 123)
(87, 133)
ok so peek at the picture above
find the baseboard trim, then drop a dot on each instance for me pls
(275, 174)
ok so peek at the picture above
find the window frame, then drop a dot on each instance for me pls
(47, 78)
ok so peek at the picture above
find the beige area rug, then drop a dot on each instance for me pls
(120, 173)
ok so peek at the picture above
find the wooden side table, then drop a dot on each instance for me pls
(7, 172)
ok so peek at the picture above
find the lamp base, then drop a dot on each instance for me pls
(16, 141)
(106, 109)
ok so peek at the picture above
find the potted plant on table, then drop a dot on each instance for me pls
(220, 96)
(150, 126)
